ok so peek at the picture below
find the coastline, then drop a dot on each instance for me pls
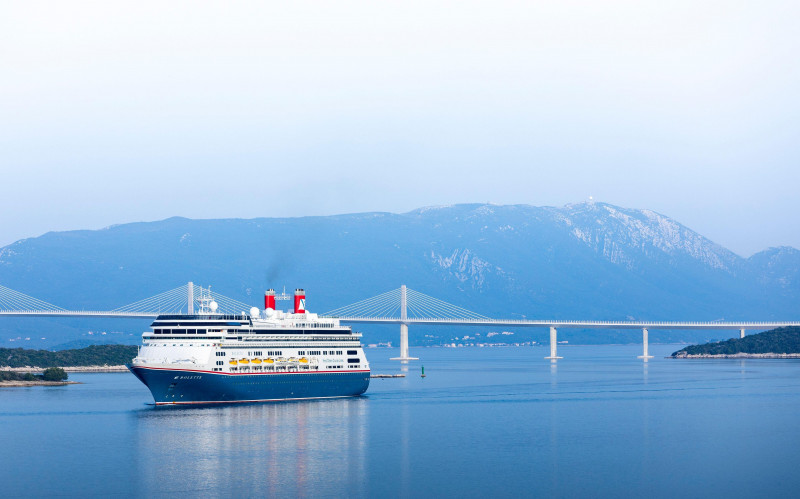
(36, 383)
(738, 356)
(70, 369)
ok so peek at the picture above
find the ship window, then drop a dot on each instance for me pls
(352, 352)
(352, 361)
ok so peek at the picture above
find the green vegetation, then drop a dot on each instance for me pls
(778, 341)
(96, 355)
(54, 374)
(51, 374)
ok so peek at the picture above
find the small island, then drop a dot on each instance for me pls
(22, 367)
(780, 343)
(52, 376)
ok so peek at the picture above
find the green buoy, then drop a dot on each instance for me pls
(423, 372)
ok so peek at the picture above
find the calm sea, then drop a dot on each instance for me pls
(497, 422)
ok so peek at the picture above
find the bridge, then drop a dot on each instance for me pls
(402, 306)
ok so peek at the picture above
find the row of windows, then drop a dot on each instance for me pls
(220, 354)
(181, 338)
(221, 317)
(185, 331)
(176, 345)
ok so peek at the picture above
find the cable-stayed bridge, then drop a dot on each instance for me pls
(180, 300)
(401, 306)
(406, 307)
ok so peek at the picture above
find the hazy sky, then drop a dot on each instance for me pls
(113, 112)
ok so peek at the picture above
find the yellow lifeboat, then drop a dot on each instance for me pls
(233, 362)
(256, 361)
(269, 361)
(292, 359)
(244, 361)
(304, 360)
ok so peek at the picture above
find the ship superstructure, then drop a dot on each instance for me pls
(264, 355)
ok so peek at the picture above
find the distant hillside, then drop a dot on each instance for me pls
(785, 340)
(98, 355)
(582, 261)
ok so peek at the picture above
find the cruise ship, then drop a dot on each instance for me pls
(268, 355)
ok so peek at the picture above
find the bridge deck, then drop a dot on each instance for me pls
(582, 324)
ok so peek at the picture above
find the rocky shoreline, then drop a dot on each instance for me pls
(70, 369)
(684, 355)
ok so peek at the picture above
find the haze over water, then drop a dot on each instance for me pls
(485, 422)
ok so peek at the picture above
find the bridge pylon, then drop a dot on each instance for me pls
(404, 327)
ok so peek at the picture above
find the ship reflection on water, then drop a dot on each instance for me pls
(291, 448)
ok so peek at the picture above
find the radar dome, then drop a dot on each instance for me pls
(255, 312)
(213, 306)
(270, 312)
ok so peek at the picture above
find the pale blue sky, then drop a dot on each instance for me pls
(113, 112)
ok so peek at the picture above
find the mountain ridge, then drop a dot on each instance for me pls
(586, 260)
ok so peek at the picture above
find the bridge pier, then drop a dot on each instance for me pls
(741, 333)
(404, 344)
(404, 326)
(644, 355)
(553, 345)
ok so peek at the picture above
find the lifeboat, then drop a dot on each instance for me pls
(304, 360)
(233, 362)
(268, 361)
(293, 359)
(256, 361)
(244, 361)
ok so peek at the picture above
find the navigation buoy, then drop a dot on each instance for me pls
(423, 372)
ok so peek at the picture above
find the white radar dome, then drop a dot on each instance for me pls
(270, 312)
(213, 306)
(255, 312)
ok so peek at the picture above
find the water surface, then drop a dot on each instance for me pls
(485, 421)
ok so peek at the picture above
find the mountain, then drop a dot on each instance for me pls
(581, 261)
